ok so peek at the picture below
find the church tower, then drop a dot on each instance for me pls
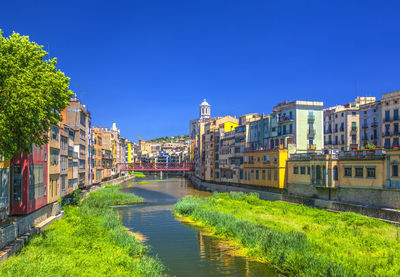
(205, 110)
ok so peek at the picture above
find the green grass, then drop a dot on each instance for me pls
(139, 175)
(299, 240)
(144, 182)
(89, 241)
(158, 180)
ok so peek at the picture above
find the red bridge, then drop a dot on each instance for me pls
(140, 166)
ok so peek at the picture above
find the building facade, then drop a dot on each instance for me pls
(265, 168)
(77, 117)
(390, 107)
(29, 178)
(370, 124)
(299, 123)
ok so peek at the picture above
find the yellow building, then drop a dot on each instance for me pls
(130, 158)
(358, 169)
(317, 170)
(265, 168)
(53, 191)
(227, 123)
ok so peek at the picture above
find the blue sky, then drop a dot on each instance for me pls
(148, 64)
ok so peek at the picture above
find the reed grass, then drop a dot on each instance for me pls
(89, 241)
(299, 240)
(139, 175)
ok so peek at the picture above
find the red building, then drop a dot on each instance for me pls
(29, 181)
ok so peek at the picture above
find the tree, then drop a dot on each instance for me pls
(32, 94)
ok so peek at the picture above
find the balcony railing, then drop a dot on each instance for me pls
(374, 124)
(364, 126)
(353, 129)
(341, 129)
(387, 134)
(284, 119)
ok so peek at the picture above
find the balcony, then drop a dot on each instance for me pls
(364, 126)
(336, 130)
(387, 134)
(374, 124)
(329, 131)
(387, 119)
(353, 129)
(285, 119)
(341, 129)
(311, 118)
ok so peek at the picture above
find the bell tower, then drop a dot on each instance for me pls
(205, 110)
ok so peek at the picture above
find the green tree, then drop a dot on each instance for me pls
(32, 94)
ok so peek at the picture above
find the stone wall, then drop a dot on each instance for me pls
(23, 224)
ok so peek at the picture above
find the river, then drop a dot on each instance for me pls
(185, 250)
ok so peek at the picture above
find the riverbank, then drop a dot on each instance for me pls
(272, 194)
(299, 240)
(89, 241)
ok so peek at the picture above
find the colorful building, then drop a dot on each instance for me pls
(371, 124)
(391, 119)
(299, 123)
(265, 168)
(29, 177)
(53, 188)
(77, 117)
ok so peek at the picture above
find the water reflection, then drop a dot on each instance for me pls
(184, 249)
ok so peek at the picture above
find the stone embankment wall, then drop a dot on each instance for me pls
(362, 201)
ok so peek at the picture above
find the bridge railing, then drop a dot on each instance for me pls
(140, 166)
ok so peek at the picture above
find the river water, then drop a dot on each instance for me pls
(185, 250)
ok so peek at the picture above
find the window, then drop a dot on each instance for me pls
(245, 175)
(269, 174)
(54, 132)
(371, 172)
(395, 170)
(64, 163)
(335, 173)
(275, 158)
(35, 181)
(17, 182)
(256, 174)
(359, 172)
(263, 174)
(275, 175)
(308, 170)
(295, 170)
(64, 143)
(4, 173)
(347, 172)
(303, 170)
(387, 116)
(82, 134)
(241, 174)
(54, 156)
